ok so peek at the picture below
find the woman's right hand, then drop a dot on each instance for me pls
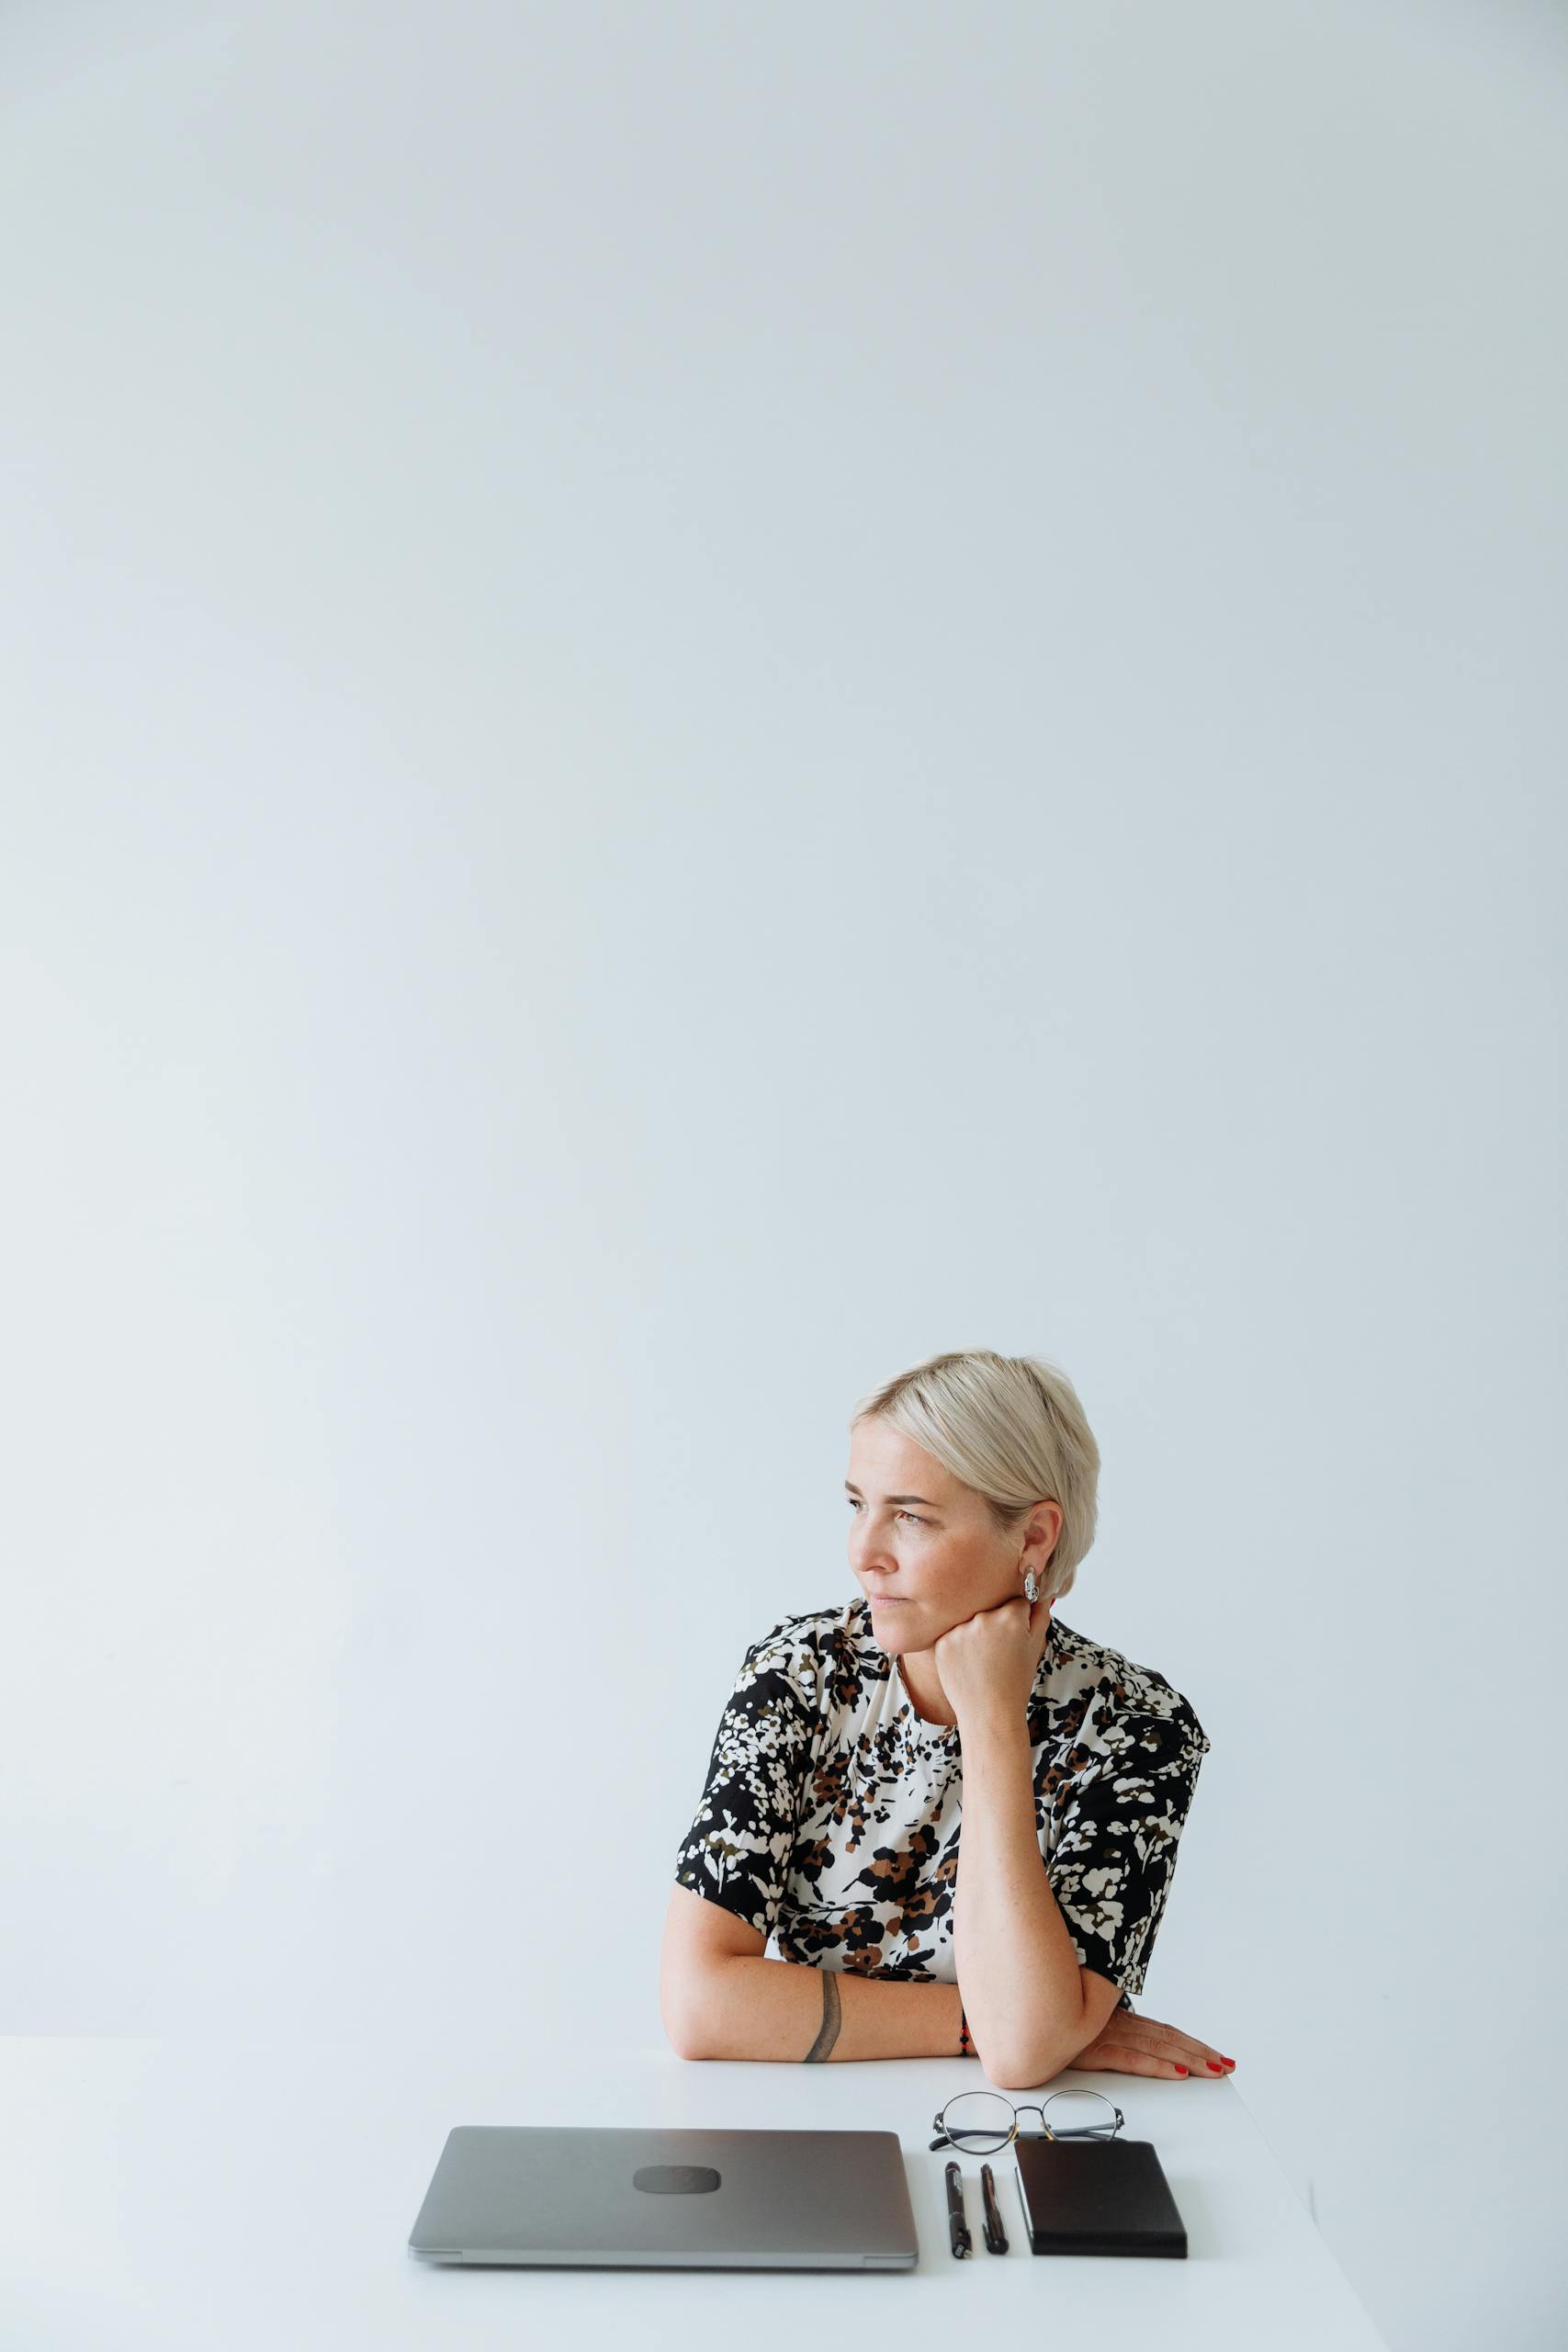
(1131, 2044)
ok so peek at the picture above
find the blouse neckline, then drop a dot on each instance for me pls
(924, 1733)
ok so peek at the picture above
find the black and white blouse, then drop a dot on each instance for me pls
(833, 1812)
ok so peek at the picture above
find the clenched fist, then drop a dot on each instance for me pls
(988, 1663)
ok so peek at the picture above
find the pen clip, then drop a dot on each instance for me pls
(995, 2236)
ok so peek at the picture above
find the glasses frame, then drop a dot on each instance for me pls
(1085, 2132)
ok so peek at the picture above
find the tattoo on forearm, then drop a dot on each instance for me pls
(829, 2034)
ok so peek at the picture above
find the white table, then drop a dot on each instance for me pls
(221, 2196)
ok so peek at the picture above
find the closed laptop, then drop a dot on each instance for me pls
(676, 2199)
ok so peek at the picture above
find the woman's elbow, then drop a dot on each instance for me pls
(1024, 2070)
(681, 2014)
(681, 2040)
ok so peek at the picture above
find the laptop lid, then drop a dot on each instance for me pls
(721, 2200)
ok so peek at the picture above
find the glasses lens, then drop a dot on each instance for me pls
(1076, 2114)
(977, 2119)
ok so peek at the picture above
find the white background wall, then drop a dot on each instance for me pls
(697, 700)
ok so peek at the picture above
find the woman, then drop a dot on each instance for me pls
(859, 1741)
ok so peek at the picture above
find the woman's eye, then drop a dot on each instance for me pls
(914, 1521)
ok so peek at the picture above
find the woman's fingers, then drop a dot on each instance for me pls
(1126, 2058)
(1131, 2044)
(1170, 2042)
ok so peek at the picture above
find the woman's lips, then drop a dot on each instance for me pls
(889, 1600)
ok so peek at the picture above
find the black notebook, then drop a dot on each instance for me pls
(1096, 2197)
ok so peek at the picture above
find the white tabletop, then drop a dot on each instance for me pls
(169, 2194)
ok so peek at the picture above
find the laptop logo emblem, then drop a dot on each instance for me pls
(675, 2180)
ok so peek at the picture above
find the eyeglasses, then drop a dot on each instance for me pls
(979, 2123)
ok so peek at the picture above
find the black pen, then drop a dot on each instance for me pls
(957, 2227)
(995, 2236)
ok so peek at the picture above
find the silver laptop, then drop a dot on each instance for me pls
(729, 2200)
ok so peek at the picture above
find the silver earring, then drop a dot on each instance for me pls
(1031, 1588)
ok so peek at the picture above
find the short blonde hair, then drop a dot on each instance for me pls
(1013, 1429)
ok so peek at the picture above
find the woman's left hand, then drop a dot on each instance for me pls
(1130, 2044)
(988, 1663)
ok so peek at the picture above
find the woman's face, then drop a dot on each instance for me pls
(924, 1547)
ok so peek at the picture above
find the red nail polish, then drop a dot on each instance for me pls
(1213, 2065)
(1180, 2070)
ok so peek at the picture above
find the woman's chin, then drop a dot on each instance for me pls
(892, 1628)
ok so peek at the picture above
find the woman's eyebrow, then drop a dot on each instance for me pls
(894, 1498)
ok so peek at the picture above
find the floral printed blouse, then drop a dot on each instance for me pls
(833, 1812)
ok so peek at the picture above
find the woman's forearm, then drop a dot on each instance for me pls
(1020, 1983)
(753, 2007)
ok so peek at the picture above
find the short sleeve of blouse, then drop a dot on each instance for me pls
(737, 1851)
(1114, 1852)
